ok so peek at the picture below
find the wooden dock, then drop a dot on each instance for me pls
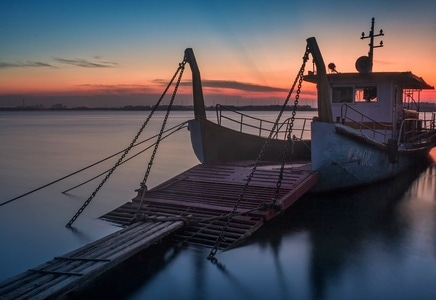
(192, 208)
(207, 192)
(65, 273)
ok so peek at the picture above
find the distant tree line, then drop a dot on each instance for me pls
(423, 106)
(160, 108)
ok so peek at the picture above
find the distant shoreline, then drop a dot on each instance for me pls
(161, 108)
(424, 107)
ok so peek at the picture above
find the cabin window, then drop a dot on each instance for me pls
(366, 94)
(342, 94)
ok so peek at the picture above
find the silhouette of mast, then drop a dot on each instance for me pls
(371, 36)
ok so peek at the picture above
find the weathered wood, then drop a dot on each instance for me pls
(211, 191)
(80, 258)
(56, 272)
(59, 276)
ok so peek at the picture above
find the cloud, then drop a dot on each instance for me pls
(117, 88)
(28, 64)
(75, 62)
(242, 86)
(86, 63)
(229, 84)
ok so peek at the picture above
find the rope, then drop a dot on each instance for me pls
(86, 203)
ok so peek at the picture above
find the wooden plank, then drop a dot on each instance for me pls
(216, 188)
(56, 282)
(217, 207)
(81, 258)
(56, 272)
(32, 281)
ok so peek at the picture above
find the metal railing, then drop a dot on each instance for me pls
(365, 125)
(417, 131)
(411, 130)
(429, 117)
(261, 127)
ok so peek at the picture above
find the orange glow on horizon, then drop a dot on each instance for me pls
(265, 80)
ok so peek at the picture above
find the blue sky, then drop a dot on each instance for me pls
(78, 43)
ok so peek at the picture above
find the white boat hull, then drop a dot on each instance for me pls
(343, 162)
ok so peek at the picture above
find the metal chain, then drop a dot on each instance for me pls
(289, 131)
(143, 189)
(86, 203)
(259, 158)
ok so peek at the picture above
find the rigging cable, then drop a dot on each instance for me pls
(86, 203)
(220, 238)
(174, 128)
(181, 125)
(143, 186)
(288, 139)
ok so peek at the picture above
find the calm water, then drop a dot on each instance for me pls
(377, 242)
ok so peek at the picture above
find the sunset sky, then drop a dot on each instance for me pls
(117, 53)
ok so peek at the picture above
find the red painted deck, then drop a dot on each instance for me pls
(210, 191)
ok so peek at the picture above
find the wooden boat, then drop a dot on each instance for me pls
(368, 126)
(213, 142)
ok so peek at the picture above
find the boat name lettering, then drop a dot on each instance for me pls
(365, 158)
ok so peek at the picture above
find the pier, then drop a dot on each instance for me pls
(205, 194)
(195, 207)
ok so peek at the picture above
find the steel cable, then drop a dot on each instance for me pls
(86, 203)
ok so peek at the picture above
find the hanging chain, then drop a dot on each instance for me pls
(143, 188)
(86, 203)
(299, 78)
(288, 139)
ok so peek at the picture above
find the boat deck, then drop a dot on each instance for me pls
(192, 208)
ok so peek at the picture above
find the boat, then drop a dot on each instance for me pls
(368, 128)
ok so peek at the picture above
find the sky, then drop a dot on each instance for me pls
(117, 53)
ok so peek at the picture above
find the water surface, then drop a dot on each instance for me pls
(377, 242)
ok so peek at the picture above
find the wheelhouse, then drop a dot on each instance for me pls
(376, 103)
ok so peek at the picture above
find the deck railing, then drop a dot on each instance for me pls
(430, 118)
(364, 124)
(411, 131)
(417, 131)
(252, 125)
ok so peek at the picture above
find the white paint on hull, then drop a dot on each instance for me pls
(342, 161)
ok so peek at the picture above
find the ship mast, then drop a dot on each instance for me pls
(371, 36)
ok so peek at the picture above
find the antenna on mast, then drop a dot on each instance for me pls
(364, 63)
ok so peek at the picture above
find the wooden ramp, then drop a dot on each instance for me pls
(192, 207)
(205, 194)
(64, 273)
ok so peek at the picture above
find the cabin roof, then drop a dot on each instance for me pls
(406, 79)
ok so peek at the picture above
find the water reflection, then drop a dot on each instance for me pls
(341, 225)
(238, 286)
(319, 249)
(125, 280)
(426, 186)
(328, 239)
